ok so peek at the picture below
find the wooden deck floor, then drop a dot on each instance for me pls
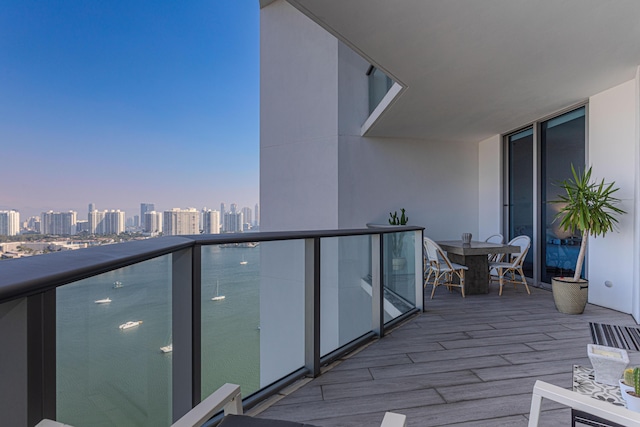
(463, 362)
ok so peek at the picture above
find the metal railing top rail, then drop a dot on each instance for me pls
(27, 276)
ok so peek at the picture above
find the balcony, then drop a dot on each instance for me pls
(138, 333)
(470, 361)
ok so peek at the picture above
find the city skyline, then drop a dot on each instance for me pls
(120, 103)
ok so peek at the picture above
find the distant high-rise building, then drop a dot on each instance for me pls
(222, 212)
(96, 222)
(144, 208)
(58, 223)
(256, 221)
(9, 223)
(233, 222)
(136, 221)
(33, 224)
(234, 208)
(153, 223)
(114, 222)
(246, 212)
(92, 207)
(178, 221)
(211, 222)
(82, 226)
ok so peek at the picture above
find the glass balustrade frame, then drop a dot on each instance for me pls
(35, 280)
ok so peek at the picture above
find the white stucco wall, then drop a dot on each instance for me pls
(298, 121)
(613, 142)
(436, 182)
(490, 209)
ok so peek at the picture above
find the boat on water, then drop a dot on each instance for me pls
(243, 262)
(167, 348)
(117, 284)
(103, 301)
(218, 297)
(130, 324)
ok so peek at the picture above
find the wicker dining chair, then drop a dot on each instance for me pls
(438, 265)
(513, 265)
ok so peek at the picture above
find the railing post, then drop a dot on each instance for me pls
(377, 280)
(41, 357)
(312, 306)
(184, 372)
(419, 264)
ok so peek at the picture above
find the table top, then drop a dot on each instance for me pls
(476, 248)
(584, 383)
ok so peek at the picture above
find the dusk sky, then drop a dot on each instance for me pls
(122, 102)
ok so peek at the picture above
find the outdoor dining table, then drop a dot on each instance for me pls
(474, 255)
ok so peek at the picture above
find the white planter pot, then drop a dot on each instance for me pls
(608, 363)
(570, 297)
(623, 389)
(633, 402)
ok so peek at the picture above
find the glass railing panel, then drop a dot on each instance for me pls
(345, 290)
(255, 334)
(111, 372)
(13, 362)
(399, 274)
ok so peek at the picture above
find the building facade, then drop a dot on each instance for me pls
(180, 221)
(144, 208)
(9, 223)
(211, 222)
(58, 223)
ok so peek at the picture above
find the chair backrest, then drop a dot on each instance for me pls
(495, 238)
(436, 255)
(524, 242)
(431, 249)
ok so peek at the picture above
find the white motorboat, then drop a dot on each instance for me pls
(103, 301)
(117, 284)
(167, 348)
(130, 324)
(218, 297)
(243, 262)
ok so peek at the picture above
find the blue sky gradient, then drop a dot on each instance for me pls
(119, 102)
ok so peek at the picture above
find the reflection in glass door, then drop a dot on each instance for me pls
(562, 144)
(520, 195)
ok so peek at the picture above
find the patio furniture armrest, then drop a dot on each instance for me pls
(580, 402)
(392, 419)
(227, 397)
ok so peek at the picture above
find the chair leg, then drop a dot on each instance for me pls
(462, 282)
(501, 275)
(524, 281)
(426, 281)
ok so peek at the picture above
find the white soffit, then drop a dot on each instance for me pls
(473, 69)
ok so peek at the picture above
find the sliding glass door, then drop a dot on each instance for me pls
(562, 143)
(520, 206)
(538, 158)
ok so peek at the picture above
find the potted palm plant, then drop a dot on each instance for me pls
(589, 207)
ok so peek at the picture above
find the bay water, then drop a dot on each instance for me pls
(107, 376)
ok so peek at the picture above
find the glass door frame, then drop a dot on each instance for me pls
(536, 126)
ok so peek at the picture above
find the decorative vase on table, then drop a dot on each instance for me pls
(587, 206)
(608, 363)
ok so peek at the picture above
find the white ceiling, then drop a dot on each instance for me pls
(476, 68)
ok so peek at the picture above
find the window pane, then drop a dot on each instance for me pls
(563, 144)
